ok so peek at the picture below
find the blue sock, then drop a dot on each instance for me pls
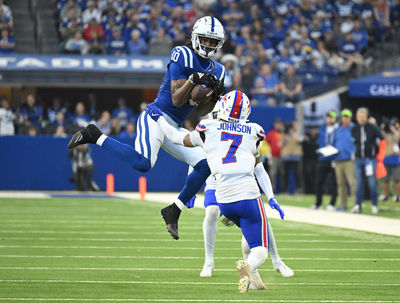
(195, 181)
(128, 154)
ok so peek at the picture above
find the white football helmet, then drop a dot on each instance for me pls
(208, 27)
(234, 107)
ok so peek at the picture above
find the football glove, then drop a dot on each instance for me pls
(274, 205)
(154, 112)
(218, 91)
(190, 204)
(206, 79)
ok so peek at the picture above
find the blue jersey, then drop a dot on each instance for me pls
(183, 63)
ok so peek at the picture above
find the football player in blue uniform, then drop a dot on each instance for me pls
(189, 65)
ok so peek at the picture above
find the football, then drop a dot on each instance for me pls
(200, 93)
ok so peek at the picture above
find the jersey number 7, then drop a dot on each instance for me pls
(236, 141)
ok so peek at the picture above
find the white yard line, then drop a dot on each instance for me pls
(194, 269)
(191, 282)
(191, 248)
(196, 300)
(194, 258)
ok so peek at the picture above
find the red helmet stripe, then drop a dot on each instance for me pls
(237, 105)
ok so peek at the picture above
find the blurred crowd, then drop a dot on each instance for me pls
(59, 121)
(273, 47)
(337, 158)
(7, 41)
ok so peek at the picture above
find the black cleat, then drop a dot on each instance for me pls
(171, 215)
(89, 134)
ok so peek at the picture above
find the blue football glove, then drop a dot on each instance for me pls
(190, 204)
(274, 205)
(154, 112)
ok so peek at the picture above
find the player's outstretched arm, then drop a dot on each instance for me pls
(170, 132)
(266, 186)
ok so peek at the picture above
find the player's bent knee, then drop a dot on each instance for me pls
(202, 166)
(261, 253)
(145, 165)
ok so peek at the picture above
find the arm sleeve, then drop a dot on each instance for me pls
(263, 180)
(171, 132)
(196, 139)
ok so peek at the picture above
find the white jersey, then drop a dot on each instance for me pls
(231, 150)
(6, 122)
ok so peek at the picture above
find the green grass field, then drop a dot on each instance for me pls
(114, 250)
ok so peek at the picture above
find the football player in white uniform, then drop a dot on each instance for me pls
(233, 163)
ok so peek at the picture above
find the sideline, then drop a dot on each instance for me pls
(368, 223)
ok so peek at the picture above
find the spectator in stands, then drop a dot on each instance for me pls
(70, 5)
(5, 21)
(31, 112)
(59, 121)
(94, 26)
(160, 44)
(284, 60)
(7, 118)
(96, 45)
(117, 45)
(291, 155)
(291, 87)
(7, 43)
(6, 10)
(266, 85)
(365, 136)
(77, 45)
(232, 16)
(325, 171)
(232, 72)
(350, 51)
(129, 134)
(123, 113)
(91, 12)
(32, 131)
(360, 36)
(80, 118)
(68, 31)
(381, 14)
(344, 160)
(115, 127)
(137, 45)
(343, 8)
(104, 123)
(297, 56)
(392, 160)
(310, 159)
(54, 109)
(274, 138)
(60, 132)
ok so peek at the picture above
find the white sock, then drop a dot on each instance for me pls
(101, 139)
(257, 257)
(210, 227)
(272, 249)
(180, 204)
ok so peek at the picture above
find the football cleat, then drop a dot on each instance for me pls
(374, 209)
(89, 134)
(256, 281)
(330, 207)
(284, 270)
(170, 215)
(244, 276)
(356, 209)
(207, 270)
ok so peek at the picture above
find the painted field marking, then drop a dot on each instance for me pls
(194, 258)
(191, 269)
(190, 248)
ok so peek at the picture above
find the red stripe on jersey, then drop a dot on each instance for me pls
(264, 223)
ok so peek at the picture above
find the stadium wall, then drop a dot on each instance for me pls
(41, 163)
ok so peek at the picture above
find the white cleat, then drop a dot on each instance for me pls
(207, 270)
(284, 270)
(330, 208)
(244, 276)
(256, 282)
(374, 209)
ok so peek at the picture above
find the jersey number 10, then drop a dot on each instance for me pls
(236, 141)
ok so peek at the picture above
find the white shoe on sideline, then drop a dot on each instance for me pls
(285, 270)
(330, 208)
(374, 209)
(244, 276)
(356, 209)
(314, 207)
(207, 270)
